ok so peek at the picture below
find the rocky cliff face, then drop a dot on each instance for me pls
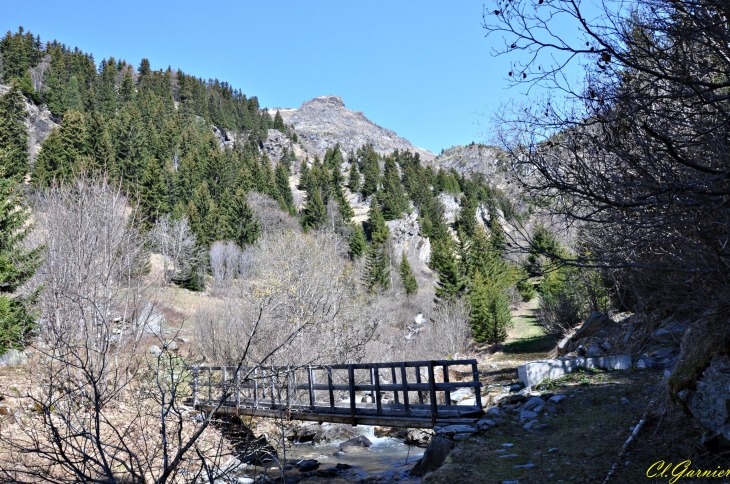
(325, 121)
(475, 158)
(39, 123)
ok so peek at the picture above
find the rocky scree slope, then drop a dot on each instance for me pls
(324, 121)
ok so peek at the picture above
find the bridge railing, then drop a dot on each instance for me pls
(417, 389)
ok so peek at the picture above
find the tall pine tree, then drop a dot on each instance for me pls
(239, 220)
(410, 284)
(13, 135)
(17, 265)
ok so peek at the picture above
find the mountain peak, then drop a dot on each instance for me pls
(324, 122)
(325, 101)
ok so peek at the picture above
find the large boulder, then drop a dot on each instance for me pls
(592, 325)
(710, 401)
(334, 433)
(433, 457)
(13, 358)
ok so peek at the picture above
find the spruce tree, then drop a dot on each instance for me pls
(371, 172)
(153, 193)
(239, 220)
(13, 135)
(392, 195)
(346, 211)
(467, 221)
(490, 316)
(377, 268)
(285, 197)
(17, 265)
(126, 90)
(279, 122)
(410, 284)
(353, 181)
(451, 282)
(72, 96)
(315, 213)
(377, 231)
(357, 242)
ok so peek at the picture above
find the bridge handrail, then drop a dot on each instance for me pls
(262, 380)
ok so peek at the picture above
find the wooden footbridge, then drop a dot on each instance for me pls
(405, 394)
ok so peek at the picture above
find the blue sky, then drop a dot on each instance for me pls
(422, 69)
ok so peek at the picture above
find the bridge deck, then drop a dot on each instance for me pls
(404, 394)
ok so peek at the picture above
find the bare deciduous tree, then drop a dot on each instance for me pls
(101, 410)
(637, 153)
(176, 242)
(305, 298)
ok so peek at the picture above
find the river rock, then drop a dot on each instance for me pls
(359, 441)
(533, 403)
(307, 465)
(418, 437)
(302, 433)
(455, 429)
(154, 350)
(433, 457)
(669, 331)
(527, 415)
(594, 351)
(333, 433)
(461, 394)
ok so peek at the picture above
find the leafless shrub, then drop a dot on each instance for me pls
(176, 242)
(303, 299)
(225, 262)
(447, 333)
(272, 218)
(101, 410)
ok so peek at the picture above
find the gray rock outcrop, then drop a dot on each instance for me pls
(475, 158)
(40, 123)
(324, 121)
(405, 233)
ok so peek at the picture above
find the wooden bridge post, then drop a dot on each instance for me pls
(447, 393)
(331, 390)
(372, 383)
(392, 376)
(210, 384)
(310, 376)
(237, 383)
(378, 403)
(418, 382)
(404, 382)
(223, 383)
(432, 392)
(274, 376)
(195, 386)
(256, 387)
(477, 391)
(351, 383)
